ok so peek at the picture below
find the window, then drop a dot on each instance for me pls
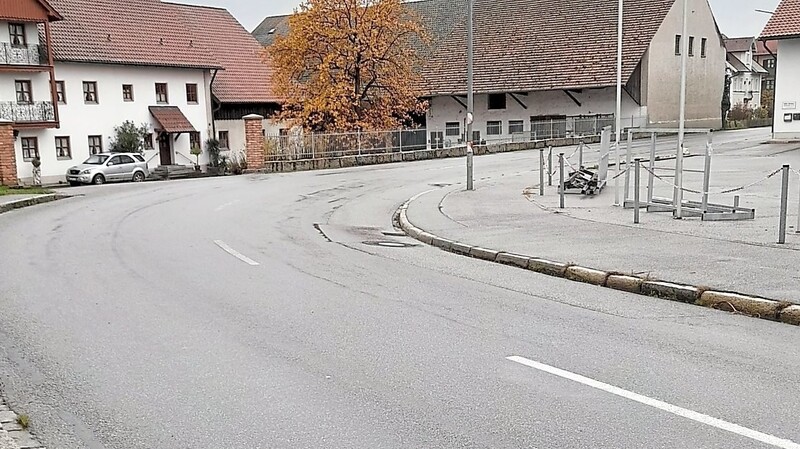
(677, 44)
(222, 136)
(494, 128)
(194, 139)
(30, 148)
(691, 45)
(769, 85)
(23, 88)
(148, 141)
(161, 93)
(703, 43)
(63, 150)
(191, 93)
(769, 64)
(476, 136)
(95, 144)
(16, 31)
(497, 101)
(127, 92)
(452, 129)
(516, 126)
(139, 157)
(116, 160)
(61, 92)
(437, 140)
(90, 92)
(125, 159)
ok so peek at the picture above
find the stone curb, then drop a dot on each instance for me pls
(12, 434)
(768, 309)
(19, 204)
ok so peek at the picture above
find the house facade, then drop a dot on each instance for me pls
(784, 28)
(745, 71)
(103, 69)
(766, 56)
(554, 75)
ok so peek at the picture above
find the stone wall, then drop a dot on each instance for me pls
(386, 158)
(254, 141)
(8, 158)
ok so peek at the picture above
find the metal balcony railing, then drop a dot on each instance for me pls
(38, 111)
(23, 54)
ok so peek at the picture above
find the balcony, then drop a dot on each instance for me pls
(21, 113)
(23, 54)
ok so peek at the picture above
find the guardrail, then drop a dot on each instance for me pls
(23, 54)
(38, 111)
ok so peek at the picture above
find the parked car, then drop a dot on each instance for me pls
(109, 167)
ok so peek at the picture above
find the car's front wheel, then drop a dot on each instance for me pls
(98, 180)
(138, 177)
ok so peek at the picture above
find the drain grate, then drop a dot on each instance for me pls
(388, 244)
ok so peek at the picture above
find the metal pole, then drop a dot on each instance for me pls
(550, 166)
(541, 171)
(561, 179)
(707, 173)
(735, 202)
(470, 93)
(358, 136)
(580, 155)
(400, 139)
(652, 164)
(636, 180)
(797, 228)
(627, 165)
(784, 204)
(619, 101)
(678, 192)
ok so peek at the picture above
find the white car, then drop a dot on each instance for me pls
(109, 167)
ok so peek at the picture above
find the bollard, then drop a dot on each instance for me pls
(735, 202)
(784, 204)
(628, 150)
(636, 180)
(561, 179)
(580, 154)
(550, 167)
(652, 163)
(797, 228)
(469, 166)
(707, 175)
(541, 171)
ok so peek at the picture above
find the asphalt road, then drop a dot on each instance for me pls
(261, 312)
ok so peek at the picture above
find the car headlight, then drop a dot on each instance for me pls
(87, 171)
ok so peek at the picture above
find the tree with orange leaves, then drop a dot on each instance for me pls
(348, 64)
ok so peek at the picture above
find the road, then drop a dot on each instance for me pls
(262, 312)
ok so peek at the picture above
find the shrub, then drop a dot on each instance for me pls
(129, 138)
(238, 163)
(212, 146)
(740, 112)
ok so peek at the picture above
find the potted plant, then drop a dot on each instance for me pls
(196, 151)
(37, 171)
(212, 146)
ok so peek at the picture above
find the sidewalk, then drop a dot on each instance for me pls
(11, 202)
(507, 214)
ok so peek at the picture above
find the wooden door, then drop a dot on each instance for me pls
(165, 148)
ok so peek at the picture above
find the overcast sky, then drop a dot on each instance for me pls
(736, 18)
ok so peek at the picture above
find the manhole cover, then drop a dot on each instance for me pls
(388, 244)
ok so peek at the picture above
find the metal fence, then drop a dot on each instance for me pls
(23, 54)
(38, 111)
(300, 146)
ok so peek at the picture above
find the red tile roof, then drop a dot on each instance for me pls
(28, 11)
(738, 44)
(245, 78)
(762, 49)
(785, 22)
(519, 47)
(135, 32)
(171, 119)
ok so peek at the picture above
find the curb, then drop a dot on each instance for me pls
(19, 204)
(753, 306)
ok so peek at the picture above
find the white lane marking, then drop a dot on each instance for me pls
(219, 208)
(235, 253)
(675, 410)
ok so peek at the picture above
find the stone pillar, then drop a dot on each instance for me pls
(8, 156)
(254, 141)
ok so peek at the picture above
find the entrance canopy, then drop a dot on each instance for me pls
(171, 119)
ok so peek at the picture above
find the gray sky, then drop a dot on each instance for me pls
(736, 17)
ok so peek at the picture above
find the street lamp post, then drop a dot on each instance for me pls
(678, 189)
(470, 94)
(618, 129)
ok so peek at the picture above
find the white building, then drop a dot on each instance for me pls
(97, 67)
(784, 27)
(746, 73)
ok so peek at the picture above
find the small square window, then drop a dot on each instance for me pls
(452, 129)
(677, 44)
(703, 45)
(494, 128)
(95, 144)
(161, 93)
(63, 150)
(497, 101)
(191, 93)
(516, 126)
(148, 141)
(30, 148)
(24, 93)
(691, 46)
(90, 92)
(194, 139)
(127, 92)
(16, 32)
(61, 92)
(222, 136)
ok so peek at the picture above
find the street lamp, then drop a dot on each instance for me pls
(470, 93)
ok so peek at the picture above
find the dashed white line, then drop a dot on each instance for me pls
(235, 253)
(675, 410)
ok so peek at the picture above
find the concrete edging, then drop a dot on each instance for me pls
(764, 308)
(19, 204)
